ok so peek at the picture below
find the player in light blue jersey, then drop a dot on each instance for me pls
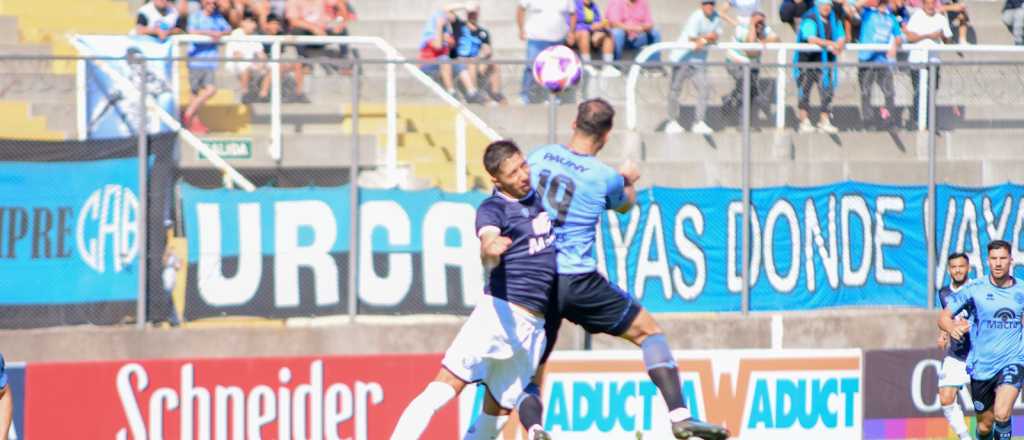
(576, 189)
(996, 360)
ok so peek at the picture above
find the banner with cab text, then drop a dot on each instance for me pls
(284, 252)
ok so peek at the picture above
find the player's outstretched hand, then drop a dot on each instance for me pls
(630, 172)
(960, 328)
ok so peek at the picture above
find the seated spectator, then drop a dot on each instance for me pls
(542, 24)
(275, 26)
(878, 25)
(157, 19)
(820, 27)
(473, 42)
(255, 68)
(317, 17)
(592, 31)
(341, 14)
(926, 27)
(1013, 18)
(702, 28)
(744, 10)
(754, 31)
(956, 11)
(436, 44)
(632, 26)
(266, 8)
(790, 11)
(202, 63)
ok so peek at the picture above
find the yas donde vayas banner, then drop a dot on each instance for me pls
(283, 252)
(757, 394)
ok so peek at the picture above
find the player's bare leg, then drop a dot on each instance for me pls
(435, 396)
(1002, 411)
(529, 407)
(954, 414)
(661, 367)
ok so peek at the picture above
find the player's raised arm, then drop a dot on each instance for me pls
(622, 190)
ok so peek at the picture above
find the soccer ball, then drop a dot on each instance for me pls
(557, 68)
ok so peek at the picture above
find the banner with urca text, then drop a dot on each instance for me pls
(110, 98)
(283, 252)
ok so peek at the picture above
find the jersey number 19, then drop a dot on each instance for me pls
(559, 184)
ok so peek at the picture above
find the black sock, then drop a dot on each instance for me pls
(530, 409)
(1003, 430)
(667, 381)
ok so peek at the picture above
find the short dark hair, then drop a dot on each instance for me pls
(956, 255)
(999, 244)
(496, 153)
(594, 117)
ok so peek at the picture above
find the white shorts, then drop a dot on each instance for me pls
(953, 373)
(499, 345)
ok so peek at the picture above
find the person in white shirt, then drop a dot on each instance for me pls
(744, 10)
(255, 66)
(542, 24)
(927, 26)
(157, 19)
(702, 28)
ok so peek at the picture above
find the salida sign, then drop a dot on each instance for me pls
(356, 397)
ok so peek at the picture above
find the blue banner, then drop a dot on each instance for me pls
(68, 232)
(111, 86)
(848, 244)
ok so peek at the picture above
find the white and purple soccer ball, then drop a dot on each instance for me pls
(557, 68)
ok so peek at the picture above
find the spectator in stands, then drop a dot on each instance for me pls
(756, 30)
(878, 25)
(790, 11)
(318, 17)
(473, 42)
(207, 21)
(436, 44)
(255, 68)
(744, 10)
(632, 26)
(926, 27)
(275, 26)
(822, 28)
(702, 28)
(956, 12)
(266, 8)
(542, 24)
(157, 19)
(592, 32)
(1013, 18)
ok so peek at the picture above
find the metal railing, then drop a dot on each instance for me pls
(782, 63)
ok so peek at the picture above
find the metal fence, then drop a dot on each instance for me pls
(292, 238)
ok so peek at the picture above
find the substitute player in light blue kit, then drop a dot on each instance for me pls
(576, 189)
(503, 341)
(953, 375)
(996, 360)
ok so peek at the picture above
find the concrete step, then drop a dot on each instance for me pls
(299, 151)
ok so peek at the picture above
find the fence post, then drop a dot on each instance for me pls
(930, 236)
(780, 90)
(923, 103)
(275, 102)
(143, 171)
(745, 239)
(353, 188)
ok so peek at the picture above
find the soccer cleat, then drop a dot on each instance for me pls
(537, 433)
(692, 428)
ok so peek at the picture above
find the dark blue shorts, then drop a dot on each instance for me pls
(592, 302)
(984, 391)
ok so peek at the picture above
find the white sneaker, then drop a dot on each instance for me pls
(591, 71)
(610, 72)
(806, 126)
(826, 127)
(701, 128)
(673, 127)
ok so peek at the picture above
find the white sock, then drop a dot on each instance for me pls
(679, 414)
(531, 434)
(608, 57)
(955, 415)
(417, 415)
(486, 427)
(586, 57)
